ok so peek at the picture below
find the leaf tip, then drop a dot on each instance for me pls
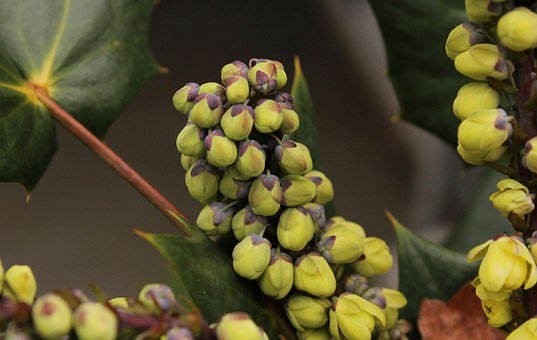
(163, 70)
(143, 234)
(395, 223)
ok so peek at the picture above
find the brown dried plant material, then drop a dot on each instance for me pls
(461, 317)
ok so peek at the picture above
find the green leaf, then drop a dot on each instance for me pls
(424, 78)
(427, 270)
(91, 57)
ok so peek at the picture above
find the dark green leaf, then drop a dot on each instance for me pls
(424, 78)
(90, 56)
(427, 270)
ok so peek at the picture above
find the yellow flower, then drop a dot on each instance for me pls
(395, 300)
(473, 97)
(461, 38)
(495, 305)
(313, 275)
(19, 284)
(376, 259)
(513, 198)
(517, 29)
(526, 331)
(307, 312)
(482, 10)
(482, 61)
(530, 155)
(239, 326)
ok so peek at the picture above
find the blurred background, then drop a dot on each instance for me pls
(76, 229)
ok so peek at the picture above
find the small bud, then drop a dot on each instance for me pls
(336, 221)
(283, 97)
(376, 259)
(314, 334)
(530, 155)
(246, 221)
(389, 301)
(179, 333)
(307, 312)
(341, 244)
(251, 159)
(294, 157)
(184, 98)
(51, 316)
(461, 38)
(237, 89)
(281, 76)
(215, 219)
(188, 161)
(236, 174)
(295, 228)
(207, 110)
(268, 116)
(190, 140)
(157, 297)
(475, 96)
(213, 88)
(495, 305)
(483, 10)
(513, 198)
(526, 331)
(297, 190)
(238, 122)
(202, 181)
(262, 77)
(233, 188)
(236, 68)
(251, 256)
(221, 151)
(277, 280)
(21, 283)
(238, 326)
(313, 275)
(482, 135)
(482, 61)
(290, 122)
(119, 302)
(325, 190)
(317, 214)
(353, 317)
(356, 283)
(517, 29)
(265, 195)
(94, 321)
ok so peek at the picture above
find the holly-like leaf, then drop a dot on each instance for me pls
(91, 57)
(423, 77)
(427, 270)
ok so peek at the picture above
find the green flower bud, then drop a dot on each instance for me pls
(237, 89)
(238, 121)
(268, 116)
(294, 157)
(482, 135)
(483, 10)
(475, 96)
(51, 316)
(207, 110)
(325, 190)
(313, 275)
(290, 122)
(317, 214)
(251, 159)
(215, 219)
(265, 195)
(297, 190)
(513, 198)
(356, 283)
(251, 256)
(184, 98)
(157, 297)
(21, 283)
(233, 188)
(119, 302)
(295, 228)
(246, 221)
(353, 317)
(236, 174)
(461, 38)
(314, 334)
(239, 326)
(188, 161)
(213, 88)
(277, 280)
(236, 68)
(530, 155)
(517, 29)
(482, 61)
(94, 321)
(221, 151)
(307, 312)
(341, 244)
(376, 259)
(178, 333)
(263, 77)
(202, 181)
(190, 140)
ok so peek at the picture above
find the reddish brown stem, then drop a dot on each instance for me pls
(112, 159)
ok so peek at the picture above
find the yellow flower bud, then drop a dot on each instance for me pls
(157, 297)
(314, 334)
(202, 181)
(307, 312)
(236, 68)
(207, 110)
(313, 275)
(19, 284)
(325, 190)
(215, 219)
(237, 89)
(213, 88)
(236, 174)
(221, 151)
(290, 122)
(530, 155)
(188, 161)
(526, 331)
(246, 221)
(495, 305)
(482, 135)
(268, 116)
(265, 195)
(473, 97)
(482, 10)
(281, 76)
(238, 122)
(295, 228)
(94, 321)
(337, 220)
(297, 190)
(294, 157)
(238, 326)
(119, 302)
(51, 316)
(513, 198)
(332, 220)
(482, 61)
(190, 140)
(517, 29)
(376, 259)
(341, 244)
(263, 77)
(1, 276)
(251, 256)
(507, 264)
(277, 280)
(251, 159)
(184, 98)
(353, 317)
(461, 38)
(233, 188)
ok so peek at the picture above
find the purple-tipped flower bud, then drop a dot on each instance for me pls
(325, 190)
(190, 140)
(251, 256)
(317, 214)
(297, 190)
(313, 275)
(357, 284)
(246, 222)
(215, 219)
(268, 116)
(202, 181)
(157, 297)
(462, 37)
(233, 188)
(238, 121)
(294, 157)
(251, 159)
(266, 195)
(262, 77)
(207, 110)
(213, 88)
(341, 244)
(236, 68)
(221, 151)
(295, 228)
(184, 98)
(277, 280)
(237, 89)
(290, 122)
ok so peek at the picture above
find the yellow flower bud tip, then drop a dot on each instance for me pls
(268, 116)
(526, 331)
(325, 189)
(213, 88)
(19, 284)
(236, 68)
(251, 256)
(238, 121)
(356, 283)
(295, 228)
(51, 316)
(307, 312)
(294, 157)
(207, 110)
(517, 29)
(317, 214)
(277, 280)
(238, 326)
(481, 61)
(291, 121)
(246, 221)
(482, 10)
(512, 198)
(263, 76)
(215, 219)
(530, 155)
(95, 321)
(157, 297)
(190, 140)
(376, 258)
(183, 99)
(265, 195)
(251, 159)
(341, 244)
(297, 190)
(473, 97)
(313, 275)
(237, 89)
(462, 37)
(119, 302)
(321, 333)
(202, 180)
